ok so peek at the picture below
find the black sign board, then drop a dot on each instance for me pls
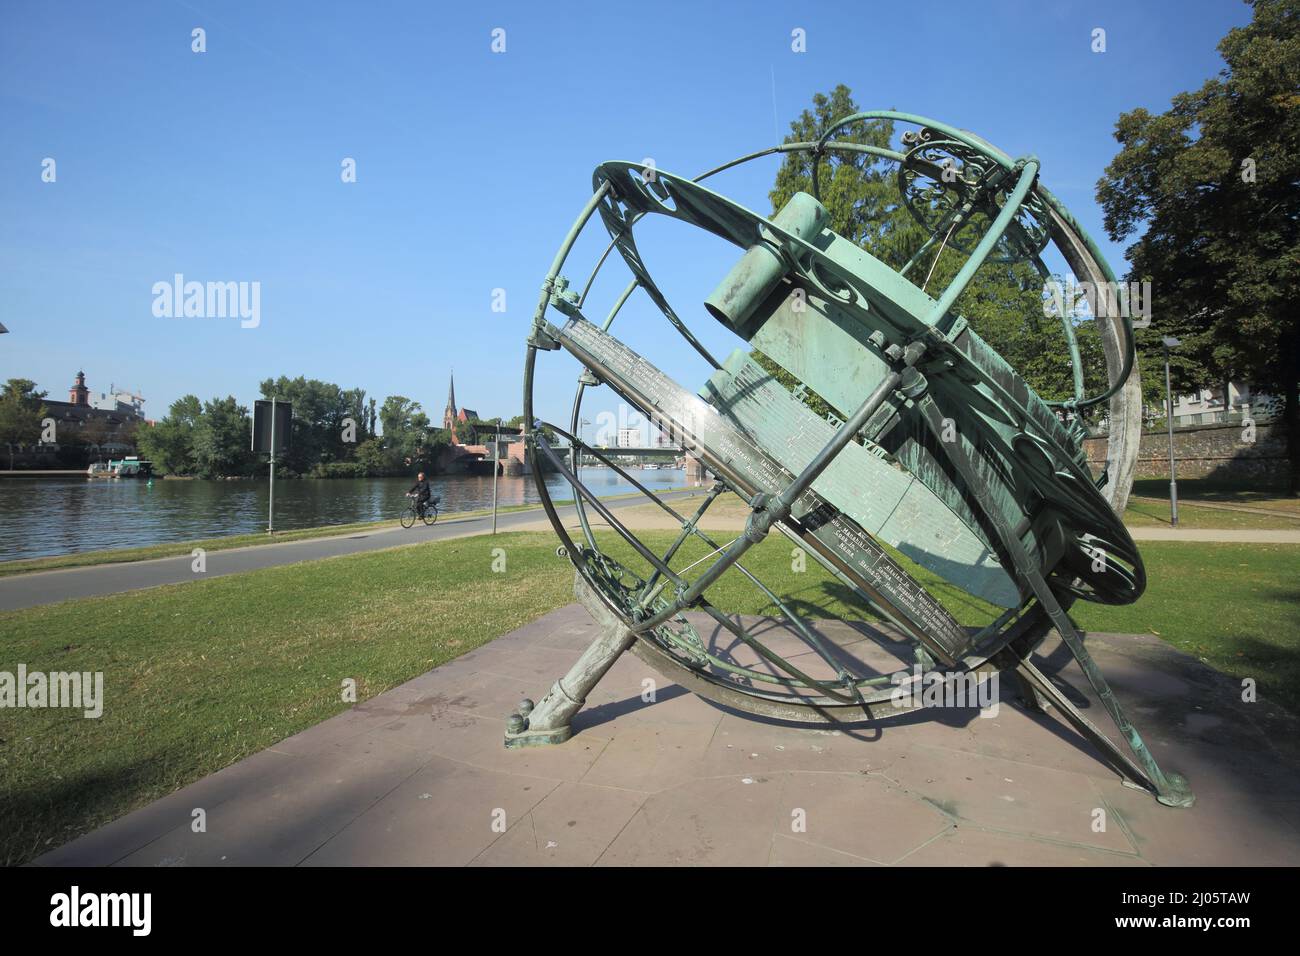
(262, 428)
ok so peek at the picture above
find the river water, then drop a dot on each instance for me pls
(50, 516)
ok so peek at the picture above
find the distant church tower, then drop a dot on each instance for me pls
(449, 413)
(78, 394)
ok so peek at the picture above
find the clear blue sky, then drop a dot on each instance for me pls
(471, 165)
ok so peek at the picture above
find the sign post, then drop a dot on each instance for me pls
(497, 445)
(270, 501)
(272, 433)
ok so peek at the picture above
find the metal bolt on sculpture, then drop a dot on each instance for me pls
(945, 454)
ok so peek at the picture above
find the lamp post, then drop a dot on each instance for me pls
(496, 468)
(1170, 342)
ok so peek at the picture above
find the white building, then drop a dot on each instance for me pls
(118, 400)
(1206, 406)
(629, 438)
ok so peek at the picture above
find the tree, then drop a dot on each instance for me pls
(1213, 185)
(94, 434)
(21, 412)
(222, 438)
(406, 428)
(370, 456)
(320, 411)
(170, 443)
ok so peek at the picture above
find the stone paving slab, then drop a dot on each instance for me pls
(418, 775)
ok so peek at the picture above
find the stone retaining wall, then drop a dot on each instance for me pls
(1205, 451)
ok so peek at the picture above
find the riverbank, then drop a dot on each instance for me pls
(199, 675)
(42, 473)
(84, 559)
(49, 518)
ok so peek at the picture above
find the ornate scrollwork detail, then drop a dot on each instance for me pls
(956, 190)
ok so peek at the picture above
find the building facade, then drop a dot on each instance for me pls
(104, 423)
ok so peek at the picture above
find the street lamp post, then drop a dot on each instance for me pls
(1170, 342)
(496, 468)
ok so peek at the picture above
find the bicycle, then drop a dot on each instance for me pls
(411, 515)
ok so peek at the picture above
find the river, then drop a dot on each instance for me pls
(49, 516)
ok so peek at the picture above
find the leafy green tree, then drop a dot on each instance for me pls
(1213, 186)
(406, 430)
(221, 439)
(21, 412)
(320, 412)
(370, 456)
(170, 443)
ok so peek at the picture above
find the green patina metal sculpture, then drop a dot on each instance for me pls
(948, 456)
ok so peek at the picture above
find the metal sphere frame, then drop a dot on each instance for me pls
(939, 424)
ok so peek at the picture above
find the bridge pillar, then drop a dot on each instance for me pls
(696, 473)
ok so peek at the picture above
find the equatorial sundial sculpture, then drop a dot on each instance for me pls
(944, 454)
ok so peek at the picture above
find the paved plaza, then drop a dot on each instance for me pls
(418, 775)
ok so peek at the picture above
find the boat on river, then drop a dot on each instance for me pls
(132, 466)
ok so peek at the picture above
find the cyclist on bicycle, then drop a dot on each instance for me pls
(421, 492)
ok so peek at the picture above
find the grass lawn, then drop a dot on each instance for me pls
(202, 674)
(1249, 492)
(1154, 513)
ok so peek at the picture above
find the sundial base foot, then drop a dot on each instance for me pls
(537, 738)
(1177, 793)
(550, 722)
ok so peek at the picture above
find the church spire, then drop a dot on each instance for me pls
(449, 413)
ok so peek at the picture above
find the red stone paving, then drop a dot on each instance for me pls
(418, 776)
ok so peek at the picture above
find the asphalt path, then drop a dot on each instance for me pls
(47, 587)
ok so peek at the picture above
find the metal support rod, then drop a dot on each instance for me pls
(690, 526)
(550, 722)
(662, 570)
(986, 243)
(1170, 789)
(777, 508)
(951, 220)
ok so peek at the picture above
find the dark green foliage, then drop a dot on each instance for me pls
(21, 412)
(1213, 187)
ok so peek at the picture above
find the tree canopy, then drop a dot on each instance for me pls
(21, 412)
(1211, 190)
